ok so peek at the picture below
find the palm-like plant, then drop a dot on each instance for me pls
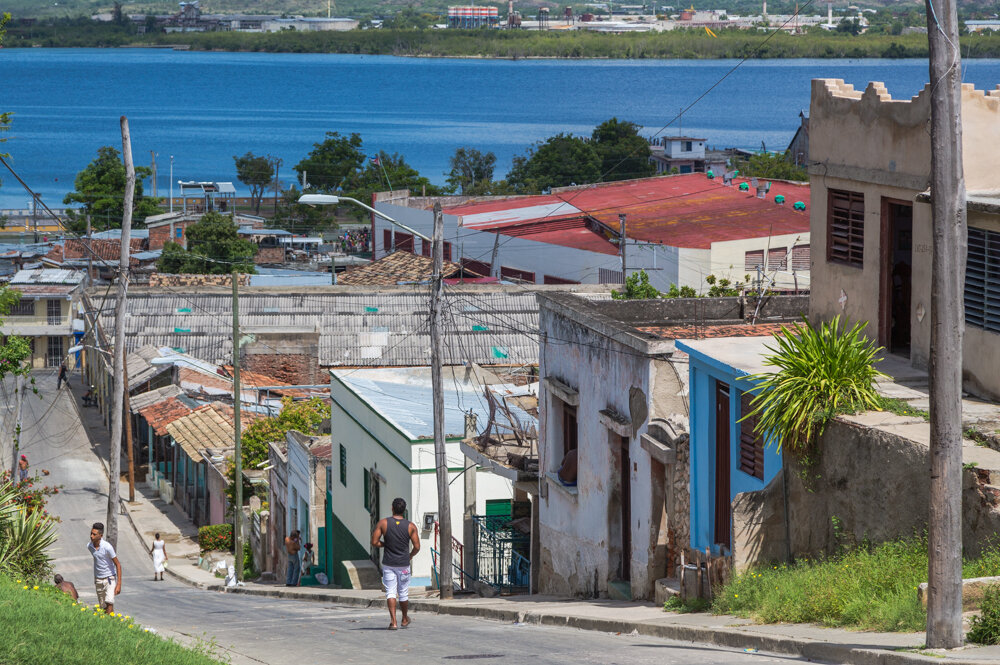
(25, 537)
(821, 371)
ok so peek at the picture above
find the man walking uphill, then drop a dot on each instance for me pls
(107, 569)
(395, 535)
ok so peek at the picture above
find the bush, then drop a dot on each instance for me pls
(26, 533)
(216, 537)
(986, 627)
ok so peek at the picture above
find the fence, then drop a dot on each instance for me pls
(502, 559)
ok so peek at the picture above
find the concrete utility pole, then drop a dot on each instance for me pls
(950, 246)
(277, 183)
(17, 427)
(494, 270)
(621, 248)
(152, 156)
(468, 517)
(237, 455)
(90, 252)
(118, 400)
(127, 415)
(440, 452)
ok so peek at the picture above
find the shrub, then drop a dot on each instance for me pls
(985, 628)
(822, 371)
(216, 537)
(25, 535)
(637, 287)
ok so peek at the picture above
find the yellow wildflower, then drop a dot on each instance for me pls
(36, 587)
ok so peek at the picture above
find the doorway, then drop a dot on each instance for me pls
(895, 276)
(625, 569)
(723, 508)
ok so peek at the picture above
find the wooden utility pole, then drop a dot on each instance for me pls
(19, 387)
(440, 452)
(950, 246)
(152, 156)
(237, 455)
(468, 516)
(127, 415)
(118, 398)
(621, 247)
(277, 183)
(90, 252)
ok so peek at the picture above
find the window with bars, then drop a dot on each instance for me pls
(982, 280)
(752, 259)
(777, 258)
(54, 354)
(751, 445)
(800, 258)
(24, 307)
(845, 228)
(608, 276)
(53, 312)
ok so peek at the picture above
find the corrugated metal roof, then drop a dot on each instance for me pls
(688, 210)
(148, 398)
(404, 397)
(354, 328)
(48, 276)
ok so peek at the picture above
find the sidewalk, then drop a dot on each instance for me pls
(148, 515)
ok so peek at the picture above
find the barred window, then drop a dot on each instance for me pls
(845, 228)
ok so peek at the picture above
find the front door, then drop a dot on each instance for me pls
(723, 507)
(895, 280)
(625, 571)
(373, 514)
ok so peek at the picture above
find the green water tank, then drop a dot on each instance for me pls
(710, 175)
(799, 205)
(779, 199)
(744, 187)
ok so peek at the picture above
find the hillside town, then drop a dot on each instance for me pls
(643, 391)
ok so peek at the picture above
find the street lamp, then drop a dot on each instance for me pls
(171, 184)
(330, 200)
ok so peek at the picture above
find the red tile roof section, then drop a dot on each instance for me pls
(163, 413)
(710, 332)
(682, 211)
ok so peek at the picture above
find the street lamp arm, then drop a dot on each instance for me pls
(326, 199)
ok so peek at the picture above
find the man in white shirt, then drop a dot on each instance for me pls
(107, 569)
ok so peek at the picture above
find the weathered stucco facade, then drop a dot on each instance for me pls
(874, 152)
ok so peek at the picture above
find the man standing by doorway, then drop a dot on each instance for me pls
(107, 569)
(292, 547)
(395, 535)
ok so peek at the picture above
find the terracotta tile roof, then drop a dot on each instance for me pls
(205, 427)
(161, 414)
(400, 266)
(197, 381)
(252, 380)
(109, 250)
(708, 332)
(322, 452)
(136, 403)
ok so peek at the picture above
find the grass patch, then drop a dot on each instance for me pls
(675, 604)
(985, 628)
(901, 408)
(869, 587)
(41, 626)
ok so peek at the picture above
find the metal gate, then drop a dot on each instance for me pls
(502, 554)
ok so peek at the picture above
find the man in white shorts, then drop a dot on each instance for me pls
(395, 535)
(107, 569)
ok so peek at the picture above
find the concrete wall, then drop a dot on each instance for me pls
(875, 484)
(871, 144)
(302, 479)
(580, 531)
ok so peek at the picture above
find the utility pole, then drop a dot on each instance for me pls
(152, 156)
(493, 259)
(621, 248)
(171, 183)
(237, 455)
(34, 215)
(17, 427)
(440, 452)
(90, 252)
(950, 246)
(127, 415)
(468, 518)
(277, 183)
(118, 401)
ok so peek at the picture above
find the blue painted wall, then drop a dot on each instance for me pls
(704, 372)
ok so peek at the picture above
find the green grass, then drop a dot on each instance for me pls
(901, 408)
(42, 626)
(871, 588)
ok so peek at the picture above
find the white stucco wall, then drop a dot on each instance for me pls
(728, 259)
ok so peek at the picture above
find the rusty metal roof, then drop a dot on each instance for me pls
(688, 210)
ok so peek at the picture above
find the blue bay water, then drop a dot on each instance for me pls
(204, 108)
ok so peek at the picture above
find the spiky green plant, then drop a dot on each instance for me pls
(25, 537)
(821, 371)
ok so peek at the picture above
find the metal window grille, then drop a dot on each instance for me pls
(54, 356)
(24, 307)
(343, 465)
(53, 311)
(608, 276)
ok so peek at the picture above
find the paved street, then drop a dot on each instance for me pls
(275, 631)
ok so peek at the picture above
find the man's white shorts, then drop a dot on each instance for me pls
(396, 581)
(105, 590)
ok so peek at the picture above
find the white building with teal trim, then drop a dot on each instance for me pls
(382, 438)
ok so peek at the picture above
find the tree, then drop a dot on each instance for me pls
(637, 287)
(558, 161)
(372, 178)
(624, 154)
(330, 163)
(294, 216)
(774, 166)
(214, 248)
(100, 190)
(471, 171)
(257, 173)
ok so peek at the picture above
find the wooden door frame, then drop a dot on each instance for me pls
(625, 479)
(723, 468)
(885, 269)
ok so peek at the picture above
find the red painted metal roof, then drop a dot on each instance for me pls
(681, 211)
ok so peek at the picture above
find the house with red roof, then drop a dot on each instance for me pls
(679, 229)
